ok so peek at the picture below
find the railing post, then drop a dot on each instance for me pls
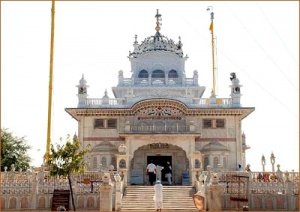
(106, 194)
(289, 193)
(118, 192)
(34, 191)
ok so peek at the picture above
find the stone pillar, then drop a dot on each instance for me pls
(166, 79)
(106, 190)
(118, 199)
(121, 78)
(290, 197)
(127, 126)
(214, 195)
(192, 126)
(122, 167)
(195, 77)
(195, 166)
(33, 195)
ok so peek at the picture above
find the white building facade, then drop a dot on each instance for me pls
(159, 114)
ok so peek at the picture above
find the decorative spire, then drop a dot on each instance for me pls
(135, 39)
(82, 81)
(158, 19)
(135, 45)
(179, 43)
(105, 98)
(263, 162)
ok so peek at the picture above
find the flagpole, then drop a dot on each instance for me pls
(211, 28)
(50, 83)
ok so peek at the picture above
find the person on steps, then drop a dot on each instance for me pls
(158, 196)
(151, 171)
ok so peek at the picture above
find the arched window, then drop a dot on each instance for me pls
(173, 74)
(216, 161)
(143, 74)
(95, 163)
(113, 161)
(206, 163)
(158, 74)
(197, 164)
(225, 162)
(104, 162)
(122, 164)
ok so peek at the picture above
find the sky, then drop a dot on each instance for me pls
(259, 41)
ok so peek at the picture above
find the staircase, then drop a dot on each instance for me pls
(140, 198)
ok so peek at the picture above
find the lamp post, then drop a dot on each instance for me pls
(272, 161)
(263, 162)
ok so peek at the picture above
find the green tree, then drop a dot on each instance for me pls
(67, 159)
(14, 150)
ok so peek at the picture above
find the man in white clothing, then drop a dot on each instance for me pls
(151, 171)
(158, 172)
(158, 196)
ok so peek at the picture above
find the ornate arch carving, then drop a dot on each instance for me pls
(160, 106)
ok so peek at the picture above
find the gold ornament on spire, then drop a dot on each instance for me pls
(158, 19)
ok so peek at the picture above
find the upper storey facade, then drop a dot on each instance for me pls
(158, 71)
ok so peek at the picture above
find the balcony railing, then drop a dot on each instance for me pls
(120, 102)
(158, 81)
(154, 128)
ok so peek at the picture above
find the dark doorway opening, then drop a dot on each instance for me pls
(162, 161)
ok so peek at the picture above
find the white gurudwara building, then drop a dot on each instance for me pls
(159, 114)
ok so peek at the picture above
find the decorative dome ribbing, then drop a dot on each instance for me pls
(158, 42)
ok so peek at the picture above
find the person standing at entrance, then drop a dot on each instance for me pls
(168, 174)
(158, 172)
(158, 196)
(151, 171)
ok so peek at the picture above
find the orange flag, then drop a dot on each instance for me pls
(211, 27)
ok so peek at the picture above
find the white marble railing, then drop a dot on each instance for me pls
(190, 81)
(220, 102)
(266, 193)
(269, 185)
(119, 102)
(158, 81)
(166, 128)
(43, 183)
(100, 102)
(33, 190)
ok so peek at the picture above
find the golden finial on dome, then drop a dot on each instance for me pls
(158, 19)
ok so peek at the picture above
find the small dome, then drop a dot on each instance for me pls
(158, 42)
(82, 81)
(105, 147)
(214, 146)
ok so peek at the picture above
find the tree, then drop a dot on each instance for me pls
(14, 150)
(67, 159)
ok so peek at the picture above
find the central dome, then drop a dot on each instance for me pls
(158, 42)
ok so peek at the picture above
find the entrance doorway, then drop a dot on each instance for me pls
(162, 161)
(167, 152)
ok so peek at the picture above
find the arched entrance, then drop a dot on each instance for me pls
(160, 154)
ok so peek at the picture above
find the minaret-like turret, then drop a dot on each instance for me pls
(105, 98)
(235, 90)
(82, 91)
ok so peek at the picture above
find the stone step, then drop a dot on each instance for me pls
(139, 198)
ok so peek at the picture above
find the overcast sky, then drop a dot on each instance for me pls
(257, 40)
